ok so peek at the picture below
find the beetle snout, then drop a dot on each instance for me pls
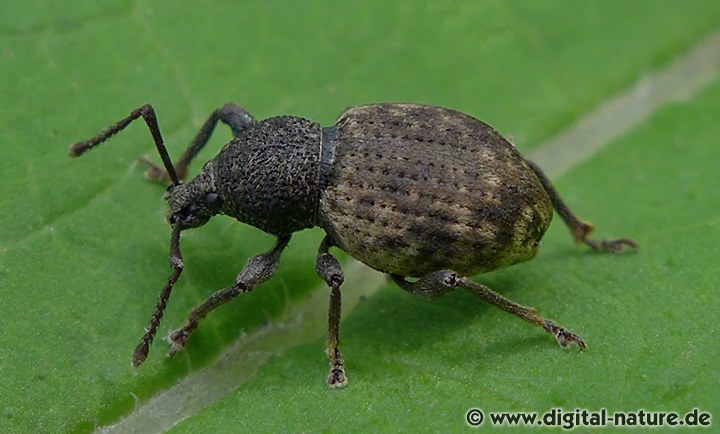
(192, 207)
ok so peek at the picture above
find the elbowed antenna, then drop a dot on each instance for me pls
(177, 264)
(148, 114)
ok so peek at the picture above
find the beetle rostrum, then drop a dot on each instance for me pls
(414, 191)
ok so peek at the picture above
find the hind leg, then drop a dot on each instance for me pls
(579, 228)
(443, 281)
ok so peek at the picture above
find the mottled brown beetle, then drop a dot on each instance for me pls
(410, 190)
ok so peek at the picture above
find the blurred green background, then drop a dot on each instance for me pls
(83, 243)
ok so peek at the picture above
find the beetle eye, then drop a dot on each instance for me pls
(213, 201)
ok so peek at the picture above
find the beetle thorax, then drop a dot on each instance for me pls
(268, 176)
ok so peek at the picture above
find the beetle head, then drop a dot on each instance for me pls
(192, 204)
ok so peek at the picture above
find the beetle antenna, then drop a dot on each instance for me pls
(148, 114)
(176, 262)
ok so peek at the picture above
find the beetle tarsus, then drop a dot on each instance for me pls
(337, 378)
(564, 337)
(613, 246)
(177, 340)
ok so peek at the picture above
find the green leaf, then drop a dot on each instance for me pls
(84, 244)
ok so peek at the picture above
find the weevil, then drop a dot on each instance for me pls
(425, 194)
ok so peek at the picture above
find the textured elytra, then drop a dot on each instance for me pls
(415, 189)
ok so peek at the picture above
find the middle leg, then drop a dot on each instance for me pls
(329, 269)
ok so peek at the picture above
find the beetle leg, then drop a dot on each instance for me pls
(440, 282)
(329, 269)
(234, 116)
(579, 228)
(258, 269)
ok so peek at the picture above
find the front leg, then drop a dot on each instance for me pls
(258, 269)
(329, 269)
(440, 282)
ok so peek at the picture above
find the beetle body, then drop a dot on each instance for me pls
(407, 189)
(410, 190)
